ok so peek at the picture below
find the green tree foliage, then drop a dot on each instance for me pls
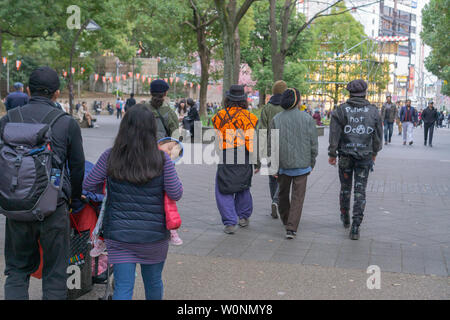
(258, 53)
(435, 33)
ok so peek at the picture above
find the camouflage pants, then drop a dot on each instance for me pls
(349, 167)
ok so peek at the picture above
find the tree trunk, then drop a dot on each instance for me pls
(204, 79)
(237, 57)
(278, 66)
(228, 61)
(262, 99)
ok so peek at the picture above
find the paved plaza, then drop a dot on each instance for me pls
(405, 232)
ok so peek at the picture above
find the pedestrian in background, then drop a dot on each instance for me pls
(119, 107)
(298, 149)
(235, 128)
(388, 114)
(409, 119)
(429, 117)
(268, 112)
(130, 102)
(356, 143)
(17, 98)
(166, 118)
(137, 174)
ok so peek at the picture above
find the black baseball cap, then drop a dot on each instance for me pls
(45, 80)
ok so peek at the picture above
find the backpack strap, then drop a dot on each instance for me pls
(163, 121)
(52, 116)
(15, 115)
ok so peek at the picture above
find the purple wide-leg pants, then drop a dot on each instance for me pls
(234, 206)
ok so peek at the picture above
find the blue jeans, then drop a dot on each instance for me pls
(124, 276)
(388, 130)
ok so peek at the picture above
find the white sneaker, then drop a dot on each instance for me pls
(175, 238)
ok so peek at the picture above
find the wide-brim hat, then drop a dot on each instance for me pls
(236, 93)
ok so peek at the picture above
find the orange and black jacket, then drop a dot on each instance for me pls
(235, 127)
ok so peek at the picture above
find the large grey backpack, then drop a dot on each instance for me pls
(31, 174)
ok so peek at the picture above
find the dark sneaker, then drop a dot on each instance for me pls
(345, 218)
(425, 143)
(244, 222)
(274, 213)
(385, 143)
(354, 232)
(290, 234)
(229, 229)
(404, 143)
(430, 145)
(411, 143)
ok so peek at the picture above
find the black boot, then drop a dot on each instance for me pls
(354, 232)
(345, 218)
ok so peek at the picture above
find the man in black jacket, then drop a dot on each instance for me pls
(356, 136)
(21, 238)
(130, 102)
(429, 117)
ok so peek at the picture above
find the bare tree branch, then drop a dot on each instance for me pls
(285, 17)
(321, 14)
(190, 25)
(242, 11)
(18, 35)
(210, 22)
(196, 13)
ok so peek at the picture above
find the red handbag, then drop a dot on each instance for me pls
(173, 219)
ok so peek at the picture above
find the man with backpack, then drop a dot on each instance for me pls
(119, 107)
(42, 160)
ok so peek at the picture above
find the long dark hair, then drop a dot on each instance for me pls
(135, 156)
(240, 104)
(157, 99)
(184, 108)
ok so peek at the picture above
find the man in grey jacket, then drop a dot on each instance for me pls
(388, 114)
(356, 136)
(298, 149)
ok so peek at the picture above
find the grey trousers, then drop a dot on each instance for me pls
(22, 256)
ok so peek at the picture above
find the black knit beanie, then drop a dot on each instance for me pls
(291, 98)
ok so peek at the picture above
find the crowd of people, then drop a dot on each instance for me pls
(408, 118)
(139, 175)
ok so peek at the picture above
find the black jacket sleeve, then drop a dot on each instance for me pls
(335, 133)
(377, 141)
(75, 158)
